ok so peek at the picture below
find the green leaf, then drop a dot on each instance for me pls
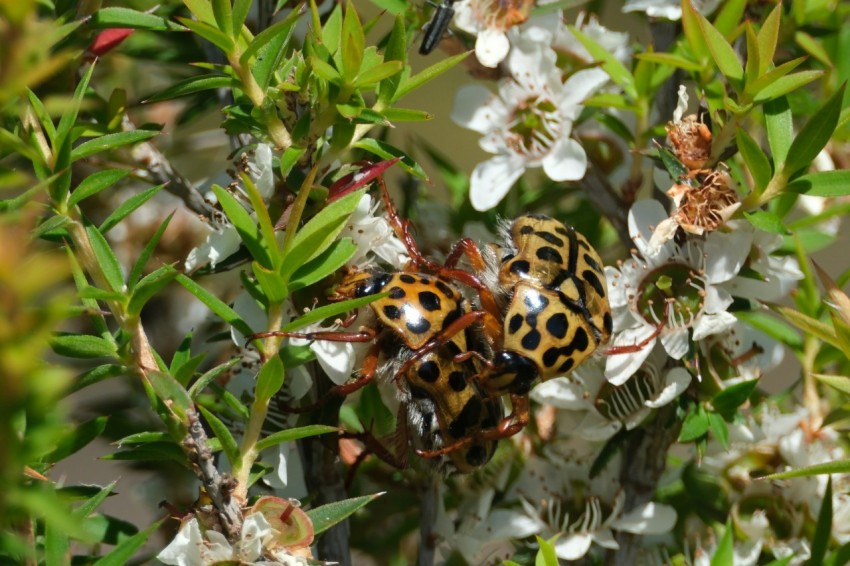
(153, 451)
(106, 18)
(767, 221)
(95, 183)
(270, 379)
(201, 383)
(94, 501)
(69, 117)
(767, 37)
(727, 401)
(546, 556)
(327, 263)
(773, 75)
(386, 152)
(693, 33)
(142, 438)
(147, 252)
(814, 135)
(106, 259)
(839, 382)
(211, 34)
(729, 17)
(215, 304)
(722, 53)
(352, 46)
(273, 286)
(101, 294)
(43, 118)
(293, 434)
(327, 311)
(282, 28)
(786, 84)
(149, 286)
(725, 552)
(822, 184)
(96, 375)
(378, 73)
(241, 9)
(326, 516)
(128, 207)
(834, 467)
(172, 394)
(671, 59)
(405, 115)
(413, 82)
(228, 443)
(823, 530)
(610, 64)
(223, 13)
(82, 346)
(695, 426)
(719, 428)
(125, 550)
(57, 544)
(269, 58)
(246, 226)
(319, 233)
(191, 86)
(75, 438)
(52, 224)
(325, 70)
(675, 167)
(755, 159)
(394, 50)
(780, 128)
(809, 325)
(751, 68)
(111, 141)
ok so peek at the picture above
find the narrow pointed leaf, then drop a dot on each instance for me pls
(106, 258)
(111, 141)
(128, 207)
(282, 28)
(82, 346)
(822, 184)
(780, 128)
(292, 434)
(228, 443)
(125, 550)
(326, 516)
(610, 64)
(813, 136)
(426, 75)
(756, 160)
(246, 226)
(147, 252)
(216, 305)
(786, 84)
(95, 183)
(191, 86)
(767, 37)
(107, 18)
(722, 53)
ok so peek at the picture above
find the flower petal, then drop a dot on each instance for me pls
(573, 546)
(620, 367)
(566, 162)
(677, 381)
(477, 108)
(492, 179)
(650, 518)
(561, 393)
(491, 47)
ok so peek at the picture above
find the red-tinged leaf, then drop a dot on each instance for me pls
(108, 40)
(353, 181)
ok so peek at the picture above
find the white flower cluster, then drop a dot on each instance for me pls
(529, 123)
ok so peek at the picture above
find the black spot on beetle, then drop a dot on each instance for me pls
(418, 393)
(550, 237)
(397, 293)
(567, 366)
(444, 288)
(407, 278)
(429, 301)
(457, 381)
(531, 340)
(520, 267)
(507, 258)
(557, 325)
(420, 326)
(429, 371)
(593, 280)
(581, 340)
(515, 323)
(526, 230)
(608, 323)
(547, 253)
(550, 357)
(591, 261)
(467, 418)
(562, 230)
(392, 312)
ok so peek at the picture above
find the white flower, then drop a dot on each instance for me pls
(373, 236)
(775, 276)
(668, 9)
(551, 30)
(490, 20)
(221, 243)
(556, 507)
(191, 548)
(528, 124)
(669, 294)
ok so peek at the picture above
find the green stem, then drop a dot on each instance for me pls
(277, 131)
